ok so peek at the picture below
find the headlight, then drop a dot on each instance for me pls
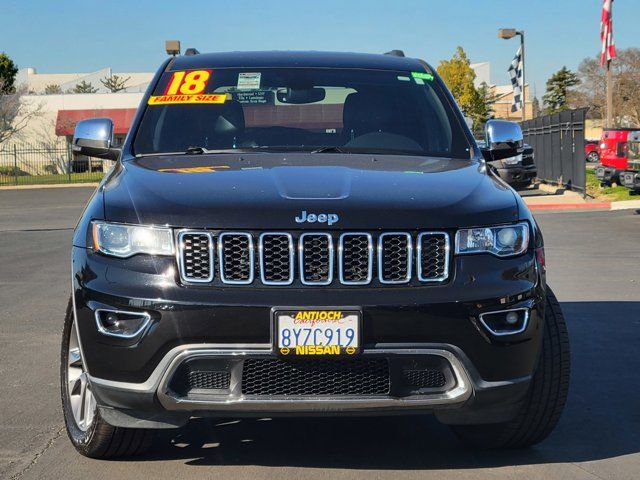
(504, 241)
(512, 160)
(127, 240)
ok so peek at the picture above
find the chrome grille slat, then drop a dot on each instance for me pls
(433, 256)
(355, 258)
(195, 255)
(395, 255)
(315, 252)
(276, 258)
(235, 257)
(390, 254)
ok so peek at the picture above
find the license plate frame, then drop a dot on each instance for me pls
(278, 312)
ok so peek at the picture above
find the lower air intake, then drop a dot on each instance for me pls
(300, 377)
(425, 378)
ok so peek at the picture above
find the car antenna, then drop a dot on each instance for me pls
(395, 53)
(191, 51)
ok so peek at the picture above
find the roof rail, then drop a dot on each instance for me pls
(395, 53)
(191, 51)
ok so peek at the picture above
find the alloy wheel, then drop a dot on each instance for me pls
(81, 399)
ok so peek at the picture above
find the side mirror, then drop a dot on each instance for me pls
(94, 138)
(503, 139)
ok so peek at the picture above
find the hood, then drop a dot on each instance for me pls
(282, 191)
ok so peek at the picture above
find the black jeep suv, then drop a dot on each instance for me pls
(306, 234)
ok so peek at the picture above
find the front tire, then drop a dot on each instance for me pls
(545, 399)
(593, 157)
(89, 433)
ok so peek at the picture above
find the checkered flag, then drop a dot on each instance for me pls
(515, 70)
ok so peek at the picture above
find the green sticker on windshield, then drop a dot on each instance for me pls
(422, 76)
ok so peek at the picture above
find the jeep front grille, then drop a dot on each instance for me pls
(313, 258)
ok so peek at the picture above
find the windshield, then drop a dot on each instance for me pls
(295, 109)
(633, 150)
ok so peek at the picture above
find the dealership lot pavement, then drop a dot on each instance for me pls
(594, 267)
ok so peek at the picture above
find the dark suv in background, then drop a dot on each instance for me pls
(519, 171)
(306, 233)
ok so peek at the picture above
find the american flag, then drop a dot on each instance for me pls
(515, 70)
(606, 34)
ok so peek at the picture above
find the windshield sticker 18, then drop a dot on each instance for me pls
(187, 87)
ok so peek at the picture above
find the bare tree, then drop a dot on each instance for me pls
(16, 112)
(626, 83)
(51, 147)
(115, 83)
(628, 86)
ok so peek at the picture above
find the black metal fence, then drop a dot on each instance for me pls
(29, 164)
(558, 146)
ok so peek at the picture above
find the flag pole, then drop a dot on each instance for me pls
(524, 85)
(609, 83)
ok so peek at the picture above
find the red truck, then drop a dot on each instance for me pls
(591, 153)
(613, 154)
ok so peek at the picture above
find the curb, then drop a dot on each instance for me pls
(571, 206)
(597, 206)
(52, 185)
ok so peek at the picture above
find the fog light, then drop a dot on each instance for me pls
(116, 323)
(512, 318)
(506, 322)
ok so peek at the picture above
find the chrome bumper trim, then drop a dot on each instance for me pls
(150, 385)
(159, 379)
(235, 401)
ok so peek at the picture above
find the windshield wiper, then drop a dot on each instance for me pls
(329, 149)
(195, 150)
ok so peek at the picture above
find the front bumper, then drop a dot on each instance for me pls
(131, 379)
(607, 174)
(518, 174)
(631, 180)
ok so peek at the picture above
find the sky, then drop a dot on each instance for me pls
(83, 36)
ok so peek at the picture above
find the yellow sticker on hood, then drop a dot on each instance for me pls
(203, 169)
(202, 98)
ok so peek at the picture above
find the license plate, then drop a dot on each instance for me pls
(317, 331)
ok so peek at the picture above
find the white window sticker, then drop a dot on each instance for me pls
(249, 81)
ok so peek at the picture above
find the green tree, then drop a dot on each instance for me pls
(84, 87)
(52, 89)
(483, 108)
(8, 71)
(536, 107)
(459, 76)
(558, 87)
(115, 83)
(475, 103)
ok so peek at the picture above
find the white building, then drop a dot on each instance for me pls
(503, 94)
(37, 82)
(483, 73)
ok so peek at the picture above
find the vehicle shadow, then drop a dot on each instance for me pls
(601, 420)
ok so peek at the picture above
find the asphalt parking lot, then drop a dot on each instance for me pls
(593, 265)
